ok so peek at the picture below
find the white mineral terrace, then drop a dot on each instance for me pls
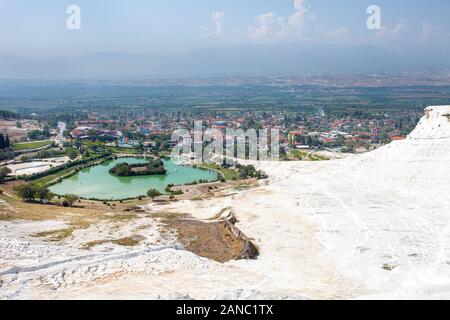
(375, 225)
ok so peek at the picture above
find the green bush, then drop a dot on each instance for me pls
(153, 193)
(71, 199)
(4, 171)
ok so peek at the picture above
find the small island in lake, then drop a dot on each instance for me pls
(152, 167)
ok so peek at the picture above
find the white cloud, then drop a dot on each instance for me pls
(270, 27)
(296, 20)
(394, 32)
(273, 27)
(217, 17)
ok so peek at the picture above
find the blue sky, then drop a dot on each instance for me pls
(38, 28)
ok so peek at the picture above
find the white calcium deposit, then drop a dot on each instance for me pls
(373, 226)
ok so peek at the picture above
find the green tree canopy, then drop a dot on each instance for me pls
(71, 199)
(4, 171)
(153, 193)
(30, 191)
(71, 153)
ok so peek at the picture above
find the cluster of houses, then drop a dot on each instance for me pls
(84, 132)
(301, 131)
(344, 130)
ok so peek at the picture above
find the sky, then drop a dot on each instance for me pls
(38, 28)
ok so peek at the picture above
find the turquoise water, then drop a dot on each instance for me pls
(96, 182)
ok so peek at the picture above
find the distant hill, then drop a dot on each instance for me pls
(239, 60)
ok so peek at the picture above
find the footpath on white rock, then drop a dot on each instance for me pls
(375, 225)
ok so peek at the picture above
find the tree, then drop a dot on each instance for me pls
(44, 154)
(153, 193)
(94, 147)
(247, 171)
(26, 192)
(30, 191)
(2, 141)
(9, 114)
(72, 153)
(46, 131)
(70, 199)
(3, 173)
(121, 170)
(43, 194)
(6, 154)
(38, 134)
(92, 134)
(309, 141)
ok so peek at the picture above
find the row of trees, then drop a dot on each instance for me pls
(6, 154)
(38, 134)
(4, 141)
(32, 192)
(5, 114)
(249, 171)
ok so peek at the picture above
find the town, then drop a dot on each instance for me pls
(140, 131)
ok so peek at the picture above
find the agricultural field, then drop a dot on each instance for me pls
(30, 145)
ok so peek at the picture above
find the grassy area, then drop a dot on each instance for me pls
(228, 174)
(55, 235)
(127, 242)
(5, 217)
(124, 150)
(165, 153)
(44, 181)
(30, 145)
(302, 155)
(13, 209)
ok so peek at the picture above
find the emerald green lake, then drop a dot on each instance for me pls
(96, 182)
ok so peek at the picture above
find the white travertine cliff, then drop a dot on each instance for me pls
(434, 125)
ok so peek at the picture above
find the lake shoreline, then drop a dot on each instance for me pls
(177, 175)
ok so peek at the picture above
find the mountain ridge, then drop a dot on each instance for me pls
(237, 60)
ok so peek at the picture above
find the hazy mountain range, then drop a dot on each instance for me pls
(239, 60)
